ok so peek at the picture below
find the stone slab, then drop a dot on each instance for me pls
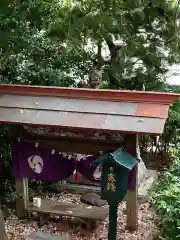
(43, 236)
(147, 183)
(69, 209)
(142, 171)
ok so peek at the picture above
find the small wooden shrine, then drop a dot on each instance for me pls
(82, 121)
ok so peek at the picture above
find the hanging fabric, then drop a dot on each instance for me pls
(76, 173)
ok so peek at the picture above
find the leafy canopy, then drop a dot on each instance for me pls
(53, 42)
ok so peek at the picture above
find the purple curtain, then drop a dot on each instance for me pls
(29, 161)
(92, 174)
(40, 164)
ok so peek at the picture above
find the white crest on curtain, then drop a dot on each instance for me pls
(36, 163)
(97, 173)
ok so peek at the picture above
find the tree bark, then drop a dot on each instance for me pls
(113, 82)
(3, 235)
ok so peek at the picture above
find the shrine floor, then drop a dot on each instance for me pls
(20, 229)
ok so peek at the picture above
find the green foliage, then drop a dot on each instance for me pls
(171, 134)
(27, 55)
(7, 193)
(166, 198)
(173, 88)
(138, 34)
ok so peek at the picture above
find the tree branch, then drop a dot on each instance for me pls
(107, 4)
(112, 47)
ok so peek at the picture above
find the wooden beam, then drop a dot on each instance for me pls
(86, 93)
(22, 197)
(69, 144)
(82, 147)
(77, 144)
(131, 146)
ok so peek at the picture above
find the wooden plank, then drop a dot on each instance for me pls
(22, 197)
(70, 209)
(69, 105)
(131, 146)
(84, 106)
(89, 121)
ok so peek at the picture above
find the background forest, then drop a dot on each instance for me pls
(56, 42)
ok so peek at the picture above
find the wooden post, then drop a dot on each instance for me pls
(131, 146)
(22, 197)
(132, 207)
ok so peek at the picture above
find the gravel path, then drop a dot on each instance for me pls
(18, 229)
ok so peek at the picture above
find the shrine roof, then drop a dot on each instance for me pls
(114, 110)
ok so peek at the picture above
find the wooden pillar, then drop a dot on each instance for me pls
(131, 146)
(22, 197)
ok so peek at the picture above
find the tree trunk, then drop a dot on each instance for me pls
(113, 64)
(3, 235)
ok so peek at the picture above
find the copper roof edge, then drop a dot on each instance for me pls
(96, 94)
